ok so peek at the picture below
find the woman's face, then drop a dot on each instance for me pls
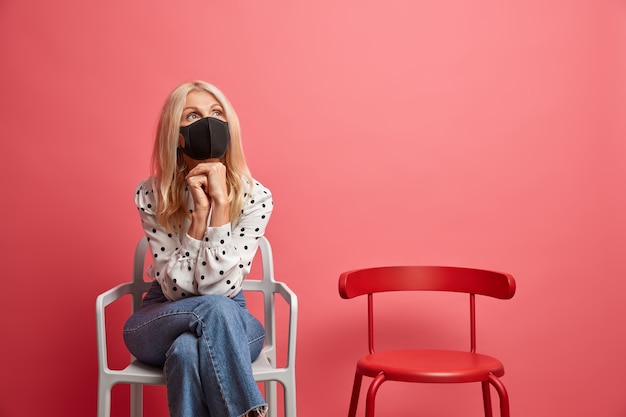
(198, 105)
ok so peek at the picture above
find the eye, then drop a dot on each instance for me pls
(216, 113)
(192, 116)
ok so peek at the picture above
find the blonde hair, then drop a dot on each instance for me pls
(168, 167)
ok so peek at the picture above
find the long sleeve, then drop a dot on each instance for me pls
(217, 264)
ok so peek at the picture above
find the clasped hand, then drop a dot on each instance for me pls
(207, 184)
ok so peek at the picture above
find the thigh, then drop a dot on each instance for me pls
(150, 332)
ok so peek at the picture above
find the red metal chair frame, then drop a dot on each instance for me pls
(427, 366)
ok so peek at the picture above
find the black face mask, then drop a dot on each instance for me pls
(205, 139)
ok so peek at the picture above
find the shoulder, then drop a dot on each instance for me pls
(256, 191)
(257, 199)
(259, 189)
(144, 196)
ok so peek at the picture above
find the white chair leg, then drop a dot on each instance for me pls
(271, 398)
(104, 400)
(290, 399)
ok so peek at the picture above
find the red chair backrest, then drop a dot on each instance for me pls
(426, 278)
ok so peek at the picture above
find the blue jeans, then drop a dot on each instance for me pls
(206, 345)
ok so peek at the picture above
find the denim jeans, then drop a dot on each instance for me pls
(206, 345)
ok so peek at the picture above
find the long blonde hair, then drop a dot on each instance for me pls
(168, 166)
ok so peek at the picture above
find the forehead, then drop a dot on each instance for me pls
(200, 99)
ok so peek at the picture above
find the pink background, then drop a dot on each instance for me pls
(486, 133)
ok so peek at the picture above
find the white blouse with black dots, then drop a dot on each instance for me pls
(217, 264)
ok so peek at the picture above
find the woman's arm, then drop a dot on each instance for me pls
(227, 252)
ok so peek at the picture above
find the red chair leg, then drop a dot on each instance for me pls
(504, 396)
(487, 398)
(356, 388)
(371, 394)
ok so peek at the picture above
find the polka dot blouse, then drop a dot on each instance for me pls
(218, 263)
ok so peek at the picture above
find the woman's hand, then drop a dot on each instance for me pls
(207, 180)
(207, 184)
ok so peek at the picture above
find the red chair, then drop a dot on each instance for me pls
(428, 366)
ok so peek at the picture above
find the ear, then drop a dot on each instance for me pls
(181, 140)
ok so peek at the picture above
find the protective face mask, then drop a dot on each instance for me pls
(206, 138)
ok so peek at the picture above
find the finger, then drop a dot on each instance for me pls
(205, 168)
(197, 182)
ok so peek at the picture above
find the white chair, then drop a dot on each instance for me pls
(264, 368)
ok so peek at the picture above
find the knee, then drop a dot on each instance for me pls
(218, 309)
(183, 351)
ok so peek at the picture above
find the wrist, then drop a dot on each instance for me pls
(220, 214)
(199, 221)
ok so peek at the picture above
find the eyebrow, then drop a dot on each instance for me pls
(197, 108)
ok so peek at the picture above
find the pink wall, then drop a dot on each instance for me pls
(484, 133)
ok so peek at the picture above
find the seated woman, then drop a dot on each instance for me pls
(203, 214)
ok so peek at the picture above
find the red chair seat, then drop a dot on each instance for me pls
(430, 366)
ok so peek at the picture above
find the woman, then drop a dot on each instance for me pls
(203, 215)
